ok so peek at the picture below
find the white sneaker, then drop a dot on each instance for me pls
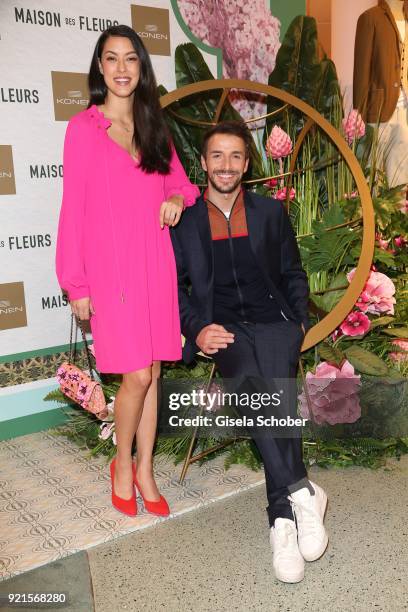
(288, 563)
(309, 512)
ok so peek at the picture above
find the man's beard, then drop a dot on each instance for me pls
(225, 189)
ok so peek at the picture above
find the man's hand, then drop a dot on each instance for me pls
(214, 337)
(82, 308)
(170, 211)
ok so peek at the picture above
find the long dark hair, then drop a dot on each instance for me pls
(151, 136)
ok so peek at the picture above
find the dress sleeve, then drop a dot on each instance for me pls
(177, 183)
(70, 265)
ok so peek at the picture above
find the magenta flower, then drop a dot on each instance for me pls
(278, 144)
(356, 324)
(378, 293)
(402, 353)
(272, 183)
(353, 126)
(333, 394)
(281, 194)
(400, 242)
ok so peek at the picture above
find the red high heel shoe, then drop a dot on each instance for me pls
(126, 506)
(160, 507)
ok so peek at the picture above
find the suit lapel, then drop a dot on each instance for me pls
(390, 16)
(254, 230)
(204, 231)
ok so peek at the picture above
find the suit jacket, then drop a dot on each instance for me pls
(377, 64)
(273, 243)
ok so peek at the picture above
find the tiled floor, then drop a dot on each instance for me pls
(55, 501)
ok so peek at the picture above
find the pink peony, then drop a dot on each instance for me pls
(333, 394)
(378, 293)
(281, 194)
(353, 126)
(355, 324)
(402, 353)
(278, 144)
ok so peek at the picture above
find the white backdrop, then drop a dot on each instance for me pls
(33, 44)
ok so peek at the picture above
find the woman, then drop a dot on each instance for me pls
(123, 187)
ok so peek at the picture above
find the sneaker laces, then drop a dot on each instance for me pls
(306, 515)
(286, 535)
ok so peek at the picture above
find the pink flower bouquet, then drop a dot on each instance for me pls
(333, 394)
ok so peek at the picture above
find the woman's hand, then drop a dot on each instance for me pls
(170, 211)
(82, 308)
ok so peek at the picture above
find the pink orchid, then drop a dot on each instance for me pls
(278, 144)
(379, 290)
(356, 324)
(353, 126)
(333, 394)
(402, 353)
(281, 194)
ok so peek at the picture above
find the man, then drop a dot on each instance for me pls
(243, 300)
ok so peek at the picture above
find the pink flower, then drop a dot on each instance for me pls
(350, 196)
(278, 144)
(107, 430)
(333, 394)
(355, 324)
(400, 242)
(402, 354)
(271, 183)
(383, 244)
(378, 293)
(281, 194)
(353, 126)
(248, 35)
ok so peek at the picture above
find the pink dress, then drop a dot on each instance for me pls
(111, 248)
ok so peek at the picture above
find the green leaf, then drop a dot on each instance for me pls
(330, 353)
(365, 361)
(397, 332)
(381, 321)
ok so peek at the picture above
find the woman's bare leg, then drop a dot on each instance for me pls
(128, 411)
(145, 437)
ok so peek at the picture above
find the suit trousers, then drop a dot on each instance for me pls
(262, 352)
(393, 146)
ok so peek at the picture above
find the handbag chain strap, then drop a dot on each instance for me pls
(73, 346)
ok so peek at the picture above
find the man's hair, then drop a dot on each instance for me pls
(233, 128)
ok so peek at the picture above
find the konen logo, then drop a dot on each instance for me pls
(7, 181)
(70, 90)
(153, 26)
(12, 306)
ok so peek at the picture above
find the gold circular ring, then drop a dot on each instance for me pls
(333, 319)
